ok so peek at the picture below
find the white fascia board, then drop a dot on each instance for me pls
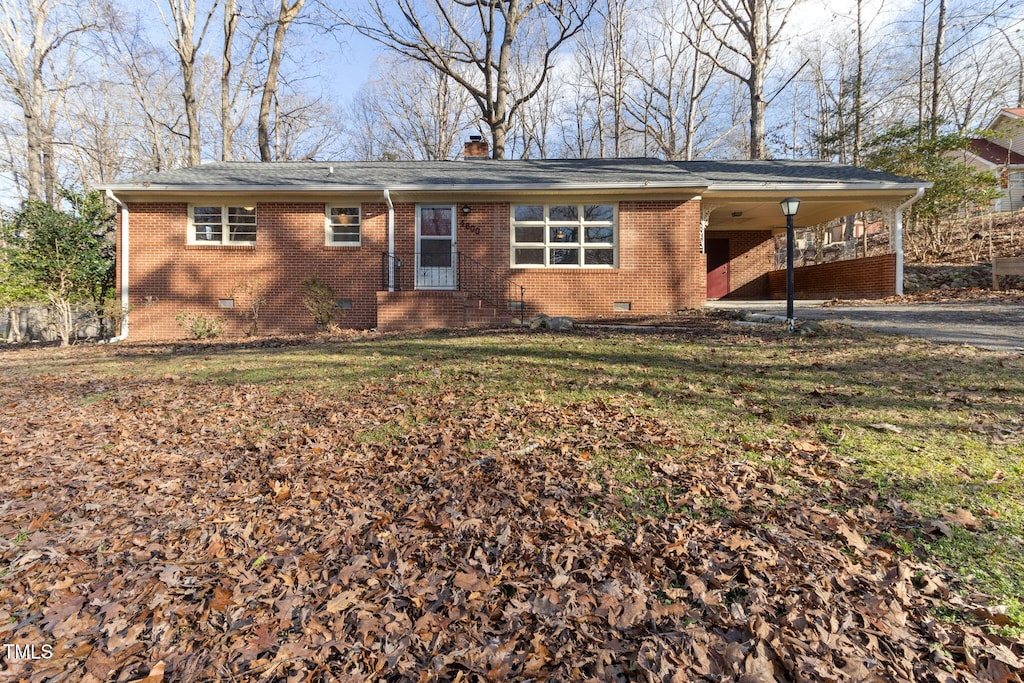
(733, 188)
(366, 189)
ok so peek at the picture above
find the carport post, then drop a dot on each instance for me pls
(790, 206)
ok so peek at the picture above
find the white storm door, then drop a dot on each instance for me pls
(435, 247)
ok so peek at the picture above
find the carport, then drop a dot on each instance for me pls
(741, 216)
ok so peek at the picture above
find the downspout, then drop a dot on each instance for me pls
(123, 253)
(391, 240)
(899, 238)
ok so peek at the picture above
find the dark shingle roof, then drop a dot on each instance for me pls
(787, 171)
(439, 175)
(488, 174)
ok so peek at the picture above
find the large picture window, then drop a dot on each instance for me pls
(222, 225)
(569, 235)
(343, 226)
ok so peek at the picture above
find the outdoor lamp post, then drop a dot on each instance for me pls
(790, 206)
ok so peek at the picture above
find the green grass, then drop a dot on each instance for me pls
(959, 444)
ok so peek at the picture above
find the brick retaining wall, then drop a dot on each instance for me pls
(865, 278)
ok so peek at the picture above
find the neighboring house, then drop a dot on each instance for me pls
(478, 241)
(1002, 153)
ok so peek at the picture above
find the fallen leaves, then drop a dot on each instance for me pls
(203, 532)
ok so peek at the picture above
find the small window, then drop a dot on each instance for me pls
(343, 226)
(222, 225)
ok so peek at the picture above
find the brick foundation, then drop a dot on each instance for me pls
(865, 278)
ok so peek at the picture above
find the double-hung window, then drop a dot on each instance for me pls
(222, 225)
(564, 235)
(343, 223)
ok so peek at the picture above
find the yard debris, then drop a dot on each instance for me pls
(174, 530)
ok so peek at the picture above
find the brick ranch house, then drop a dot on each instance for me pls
(456, 243)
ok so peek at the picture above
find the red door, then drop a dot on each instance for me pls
(718, 268)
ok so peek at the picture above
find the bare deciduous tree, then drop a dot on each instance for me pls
(287, 13)
(410, 111)
(32, 34)
(475, 42)
(669, 102)
(746, 30)
(181, 26)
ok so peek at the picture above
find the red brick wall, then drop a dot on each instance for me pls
(864, 278)
(420, 310)
(751, 257)
(660, 268)
(169, 276)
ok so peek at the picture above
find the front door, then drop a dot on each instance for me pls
(435, 247)
(718, 268)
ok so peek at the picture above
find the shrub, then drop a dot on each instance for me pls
(318, 298)
(254, 295)
(199, 326)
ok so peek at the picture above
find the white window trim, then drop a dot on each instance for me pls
(548, 245)
(224, 232)
(329, 228)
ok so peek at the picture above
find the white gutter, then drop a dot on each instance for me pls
(729, 188)
(899, 238)
(391, 240)
(449, 187)
(123, 252)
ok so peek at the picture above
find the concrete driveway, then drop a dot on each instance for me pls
(987, 325)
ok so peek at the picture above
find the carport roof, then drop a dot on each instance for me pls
(795, 173)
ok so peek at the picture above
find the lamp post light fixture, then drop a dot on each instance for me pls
(790, 205)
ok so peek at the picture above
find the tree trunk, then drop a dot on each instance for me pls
(858, 89)
(758, 66)
(14, 326)
(920, 73)
(226, 128)
(940, 33)
(61, 317)
(35, 130)
(286, 15)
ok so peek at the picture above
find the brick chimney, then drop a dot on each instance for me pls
(476, 148)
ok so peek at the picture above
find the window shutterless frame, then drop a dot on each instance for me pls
(343, 225)
(564, 236)
(224, 225)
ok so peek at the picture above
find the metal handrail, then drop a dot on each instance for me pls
(386, 260)
(491, 286)
(485, 283)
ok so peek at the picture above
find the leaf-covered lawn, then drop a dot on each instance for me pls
(514, 506)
